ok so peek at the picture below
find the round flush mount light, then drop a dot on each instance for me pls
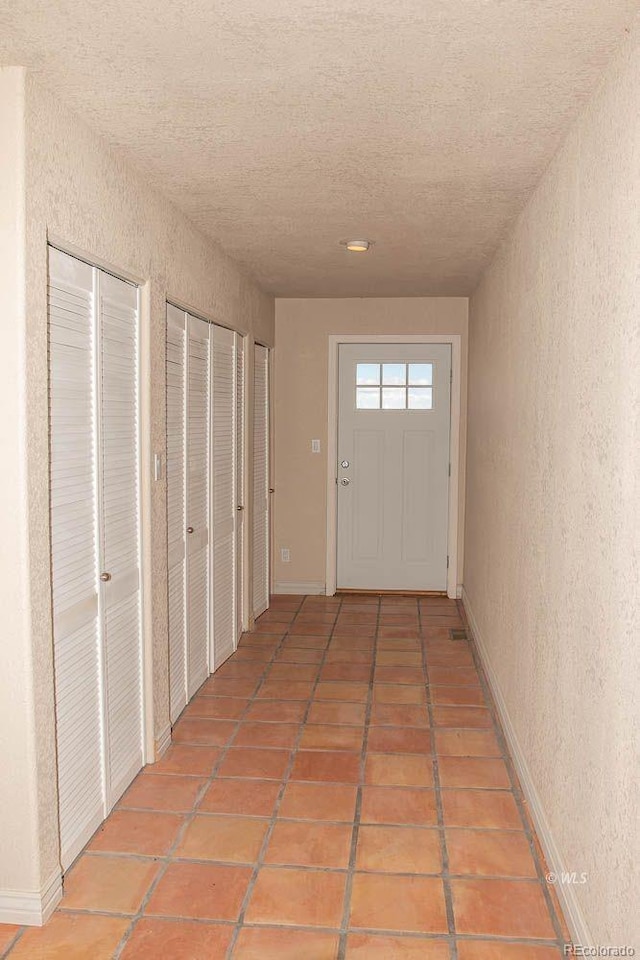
(357, 246)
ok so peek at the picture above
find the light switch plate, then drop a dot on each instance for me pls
(315, 446)
(157, 466)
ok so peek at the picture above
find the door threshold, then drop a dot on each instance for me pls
(392, 593)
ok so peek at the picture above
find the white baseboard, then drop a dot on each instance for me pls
(572, 910)
(162, 743)
(28, 908)
(314, 587)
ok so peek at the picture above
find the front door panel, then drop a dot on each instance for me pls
(393, 466)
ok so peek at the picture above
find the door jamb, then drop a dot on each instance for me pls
(455, 340)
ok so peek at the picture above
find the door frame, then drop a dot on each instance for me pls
(335, 340)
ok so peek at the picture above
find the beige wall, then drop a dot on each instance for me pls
(301, 374)
(18, 745)
(81, 193)
(552, 568)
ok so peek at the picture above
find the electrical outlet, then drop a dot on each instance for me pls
(285, 555)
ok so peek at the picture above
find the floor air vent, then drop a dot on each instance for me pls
(458, 633)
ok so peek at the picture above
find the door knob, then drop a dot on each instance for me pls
(189, 529)
(344, 464)
(240, 508)
(105, 577)
(345, 481)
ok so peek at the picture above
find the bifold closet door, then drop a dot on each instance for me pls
(261, 496)
(120, 508)
(95, 540)
(198, 453)
(226, 506)
(205, 477)
(240, 484)
(188, 373)
(176, 508)
(74, 551)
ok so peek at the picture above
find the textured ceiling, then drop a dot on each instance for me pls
(282, 127)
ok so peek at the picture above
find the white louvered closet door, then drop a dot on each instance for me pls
(240, 482)
(93, 335)
(176, 506)
(198, 494)
(261, 520)
(74, 538)
(120, 508)
(224, 494)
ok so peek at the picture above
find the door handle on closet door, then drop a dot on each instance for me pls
(105, 577)
(189, 529)
(240, 508)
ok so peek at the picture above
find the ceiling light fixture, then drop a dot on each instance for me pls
(357, 246)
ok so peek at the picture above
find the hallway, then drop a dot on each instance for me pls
(340, 788)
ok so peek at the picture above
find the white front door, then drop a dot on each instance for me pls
(393, 466)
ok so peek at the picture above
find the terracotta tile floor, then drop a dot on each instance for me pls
(339, 789)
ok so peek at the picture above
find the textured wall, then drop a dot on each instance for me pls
(302, 369)
(18, 836)
(79, 192)
(553, 505)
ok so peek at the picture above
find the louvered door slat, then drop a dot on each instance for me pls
(74, 555)
(176, 503)
(260, 491)
(119, 495)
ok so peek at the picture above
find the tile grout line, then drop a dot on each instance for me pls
(213, 814)
(516, 792)
(407, 935)
(141, 858)
(13, 943)
(194, 809)
(259, 863)
(342, 948)
(444, 853)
